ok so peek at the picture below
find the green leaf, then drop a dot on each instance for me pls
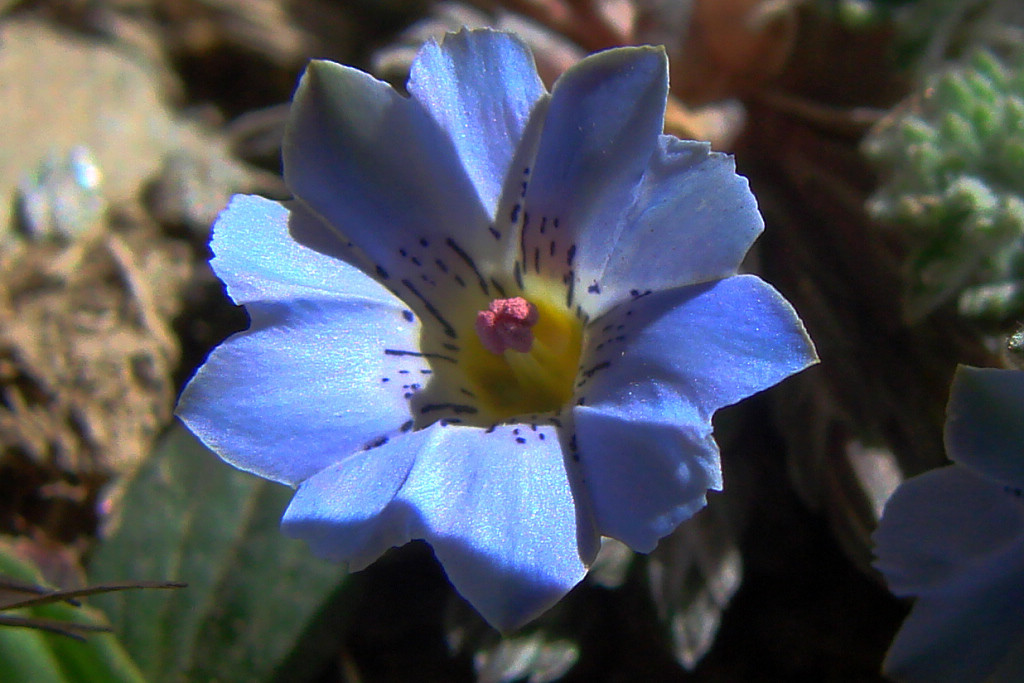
(252, 593)
(28, 654)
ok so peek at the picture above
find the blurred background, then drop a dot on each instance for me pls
(883, 139)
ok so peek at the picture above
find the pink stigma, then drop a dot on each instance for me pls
(506, 325)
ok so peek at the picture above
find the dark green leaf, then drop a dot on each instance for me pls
(252, 592)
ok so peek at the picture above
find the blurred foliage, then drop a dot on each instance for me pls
(692, 576)
(539, 653)
(33, 654)
(952, 159)
(253, 593)
(930, 32)
(862, 13)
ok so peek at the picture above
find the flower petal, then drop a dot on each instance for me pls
(309, 383)
(500, 515)
(257, 255)
(495, 505)
(655, 371)
(376, 167)
(643, 476)
(480, 87)
(969, 628)
(692, 220)
(945, 528)
(346, 512)
(715, 343)
(961, 640)
(985, 423)
(602, 126)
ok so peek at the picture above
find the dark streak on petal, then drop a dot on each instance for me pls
(457, 408)
(469, 262)
(448, 329)
(600, 366)
(417, 354)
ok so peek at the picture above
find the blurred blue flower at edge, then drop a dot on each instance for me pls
(954, 538)
(364, 380)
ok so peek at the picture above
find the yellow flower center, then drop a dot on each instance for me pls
(524, 354)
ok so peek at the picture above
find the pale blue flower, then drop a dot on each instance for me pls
(954, 538)
(481, 207)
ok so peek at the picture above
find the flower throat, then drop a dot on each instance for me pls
(525, 354)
